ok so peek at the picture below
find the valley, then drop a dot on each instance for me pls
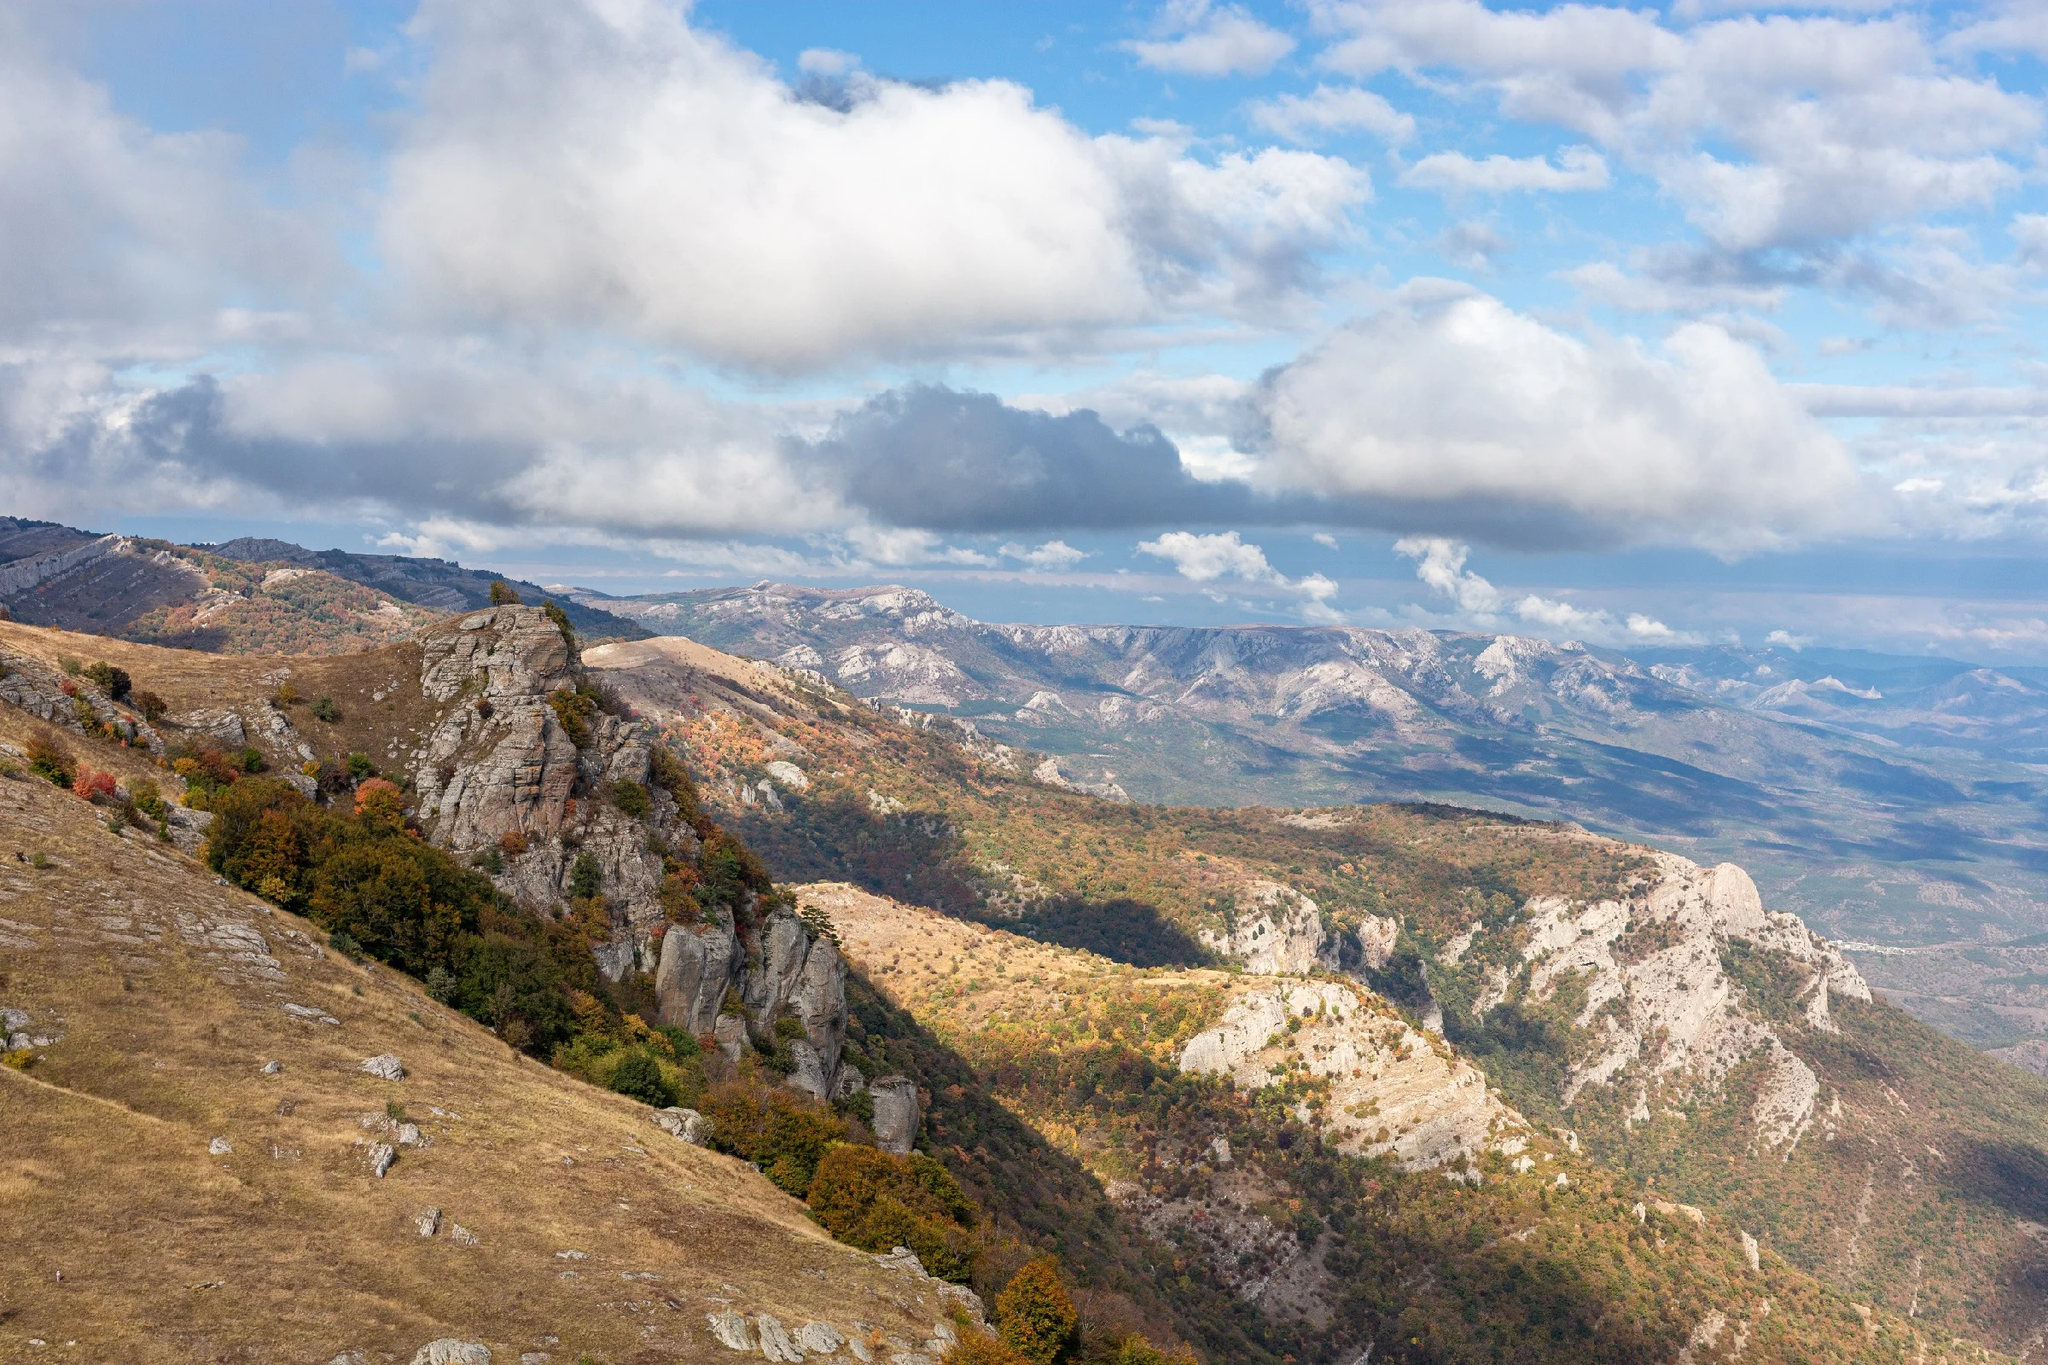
(1250, 1077)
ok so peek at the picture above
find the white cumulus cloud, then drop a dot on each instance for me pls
(1199, 38)
(1210, 558)
(1440, 565)
(608, 166)
(1577, 168)
(1469, 414)
(1331, 109)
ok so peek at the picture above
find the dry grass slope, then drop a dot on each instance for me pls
(128, 1239)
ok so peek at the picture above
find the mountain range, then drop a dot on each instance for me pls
(319, 973)
(1896, 802)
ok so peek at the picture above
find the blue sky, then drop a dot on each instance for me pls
(1634, 326)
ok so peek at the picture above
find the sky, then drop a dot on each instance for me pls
(1717, 322)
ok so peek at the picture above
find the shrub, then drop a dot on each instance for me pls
(380, 803)
(325, 709)
(785, 1134)
(573, 707)
(344, 943)
(286, 695)
(503, 594)
(359, 766)
(1136, 1350)
(586, 876)
(110, 680)
(440, 985)
(252, 760)
(152, 706)
(51, 760)
(561, 620)
(1035, 1314)
(206, 772)
(639, 1076)
(874, 1200)
(667, 772)
(92, 784)
(513, 844)
(632, 798)
(68, 664)
(491, 860)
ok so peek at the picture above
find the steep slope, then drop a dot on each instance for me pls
(1689, 1035)
(169, 1198)
(1363, 1191)
(1881, 830)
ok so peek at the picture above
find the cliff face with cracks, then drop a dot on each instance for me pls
(519, 757)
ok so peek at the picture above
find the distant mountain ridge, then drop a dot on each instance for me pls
(137, 588)
(1908, 817)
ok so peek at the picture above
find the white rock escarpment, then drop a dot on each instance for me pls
(1281, 935)
(1659, 1003)
(1392, 1090)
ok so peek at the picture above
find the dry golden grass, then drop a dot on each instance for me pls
(386, 727)
(288, 1248)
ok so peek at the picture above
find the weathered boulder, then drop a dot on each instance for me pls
(449, 1351)
(731, 1329)
(775, 1342)
(896, 1113)
(687, 1125)
(384, 1066)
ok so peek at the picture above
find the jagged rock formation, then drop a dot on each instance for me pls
(72, 702)
(1660, 1011)
(735, 981)
(500, 767)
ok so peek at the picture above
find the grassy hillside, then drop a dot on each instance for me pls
(134, 1235)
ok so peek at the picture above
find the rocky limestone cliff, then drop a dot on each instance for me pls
(734, 980)
(500, 766)
(500, 763)
(1660, 1012)
(1282, 934)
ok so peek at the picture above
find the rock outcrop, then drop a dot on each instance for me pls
(1281, 935)
(528, 768)
(896, 1113)
(1661, 1010)
(737, 980)
(1392, 1090)
(499, 770)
